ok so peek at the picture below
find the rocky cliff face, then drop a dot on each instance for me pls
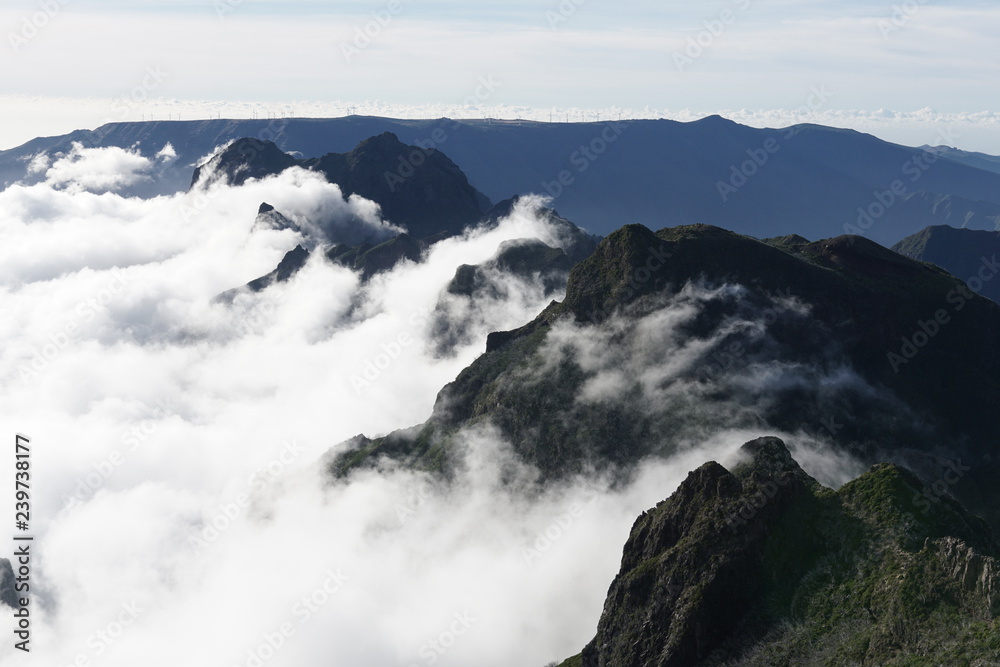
(763, 566)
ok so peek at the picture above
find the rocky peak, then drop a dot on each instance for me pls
(417, 188)
(245, 159)
(802, 575)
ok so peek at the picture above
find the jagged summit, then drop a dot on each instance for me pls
(763, 566)
(244, 159)
(768, 458)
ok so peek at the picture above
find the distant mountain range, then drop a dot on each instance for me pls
(970, 158)
(807, 179)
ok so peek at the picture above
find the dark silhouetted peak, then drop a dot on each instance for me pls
(264, 208)
(386, 143)
(245, 159)
(418, 188)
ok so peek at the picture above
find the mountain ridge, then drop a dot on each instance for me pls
(813, 181)
(853, 304)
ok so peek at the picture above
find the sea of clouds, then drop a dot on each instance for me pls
(181, 509)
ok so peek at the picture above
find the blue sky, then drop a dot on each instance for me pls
(900, 55)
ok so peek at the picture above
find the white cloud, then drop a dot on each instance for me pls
(97, 169)
(159, 409)
(167, 154)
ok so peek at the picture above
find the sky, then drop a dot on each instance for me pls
(902, 70)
